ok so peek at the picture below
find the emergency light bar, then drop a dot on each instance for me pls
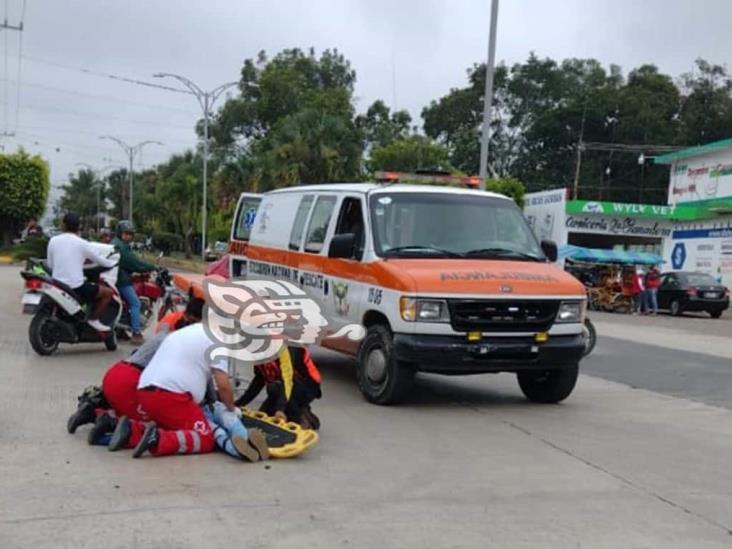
(472, 182)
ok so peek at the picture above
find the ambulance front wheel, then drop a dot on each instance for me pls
(551, 386)
(381, 378)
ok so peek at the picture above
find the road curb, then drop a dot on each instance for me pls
(5, 260)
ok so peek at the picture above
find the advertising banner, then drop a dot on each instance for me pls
(545, 212)
(701, 178)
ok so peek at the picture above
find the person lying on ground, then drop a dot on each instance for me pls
(288, 396)
(230, 433)
(170, 391)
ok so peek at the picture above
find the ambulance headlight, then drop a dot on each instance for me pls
(423, 310)
(570, 311)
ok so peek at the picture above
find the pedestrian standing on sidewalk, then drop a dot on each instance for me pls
(638, 290)
(653, 281)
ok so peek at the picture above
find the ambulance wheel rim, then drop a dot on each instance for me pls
(376, 366)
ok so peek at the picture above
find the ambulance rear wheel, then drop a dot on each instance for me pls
(381, 378)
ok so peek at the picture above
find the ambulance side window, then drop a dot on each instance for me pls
(298, 227)
(319, 222)
(350, 220)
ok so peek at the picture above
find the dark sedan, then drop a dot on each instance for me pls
(682, 291)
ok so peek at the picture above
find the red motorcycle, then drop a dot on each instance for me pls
(150, 291)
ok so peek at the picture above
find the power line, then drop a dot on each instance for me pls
(106, 97)
(95, 133)
(105, 117)
(104, 75)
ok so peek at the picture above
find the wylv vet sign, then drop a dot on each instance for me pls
(631, 210)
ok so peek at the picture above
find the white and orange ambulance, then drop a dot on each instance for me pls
(445, 280)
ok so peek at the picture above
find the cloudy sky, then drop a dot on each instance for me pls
(404, 51)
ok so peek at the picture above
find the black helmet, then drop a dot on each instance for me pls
(125, 226)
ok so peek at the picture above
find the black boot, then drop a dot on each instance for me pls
(104, 425)
(84, 414)
(121, 435)
(149, 440)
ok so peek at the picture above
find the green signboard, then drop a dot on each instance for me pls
(622, 209)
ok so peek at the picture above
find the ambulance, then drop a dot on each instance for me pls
(444, 279)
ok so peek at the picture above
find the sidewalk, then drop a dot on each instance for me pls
(710, 336)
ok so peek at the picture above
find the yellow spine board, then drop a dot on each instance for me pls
(304, 438)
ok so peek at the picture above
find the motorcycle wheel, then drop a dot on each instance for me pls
(110, 342)
(40, 340)
(590, 335)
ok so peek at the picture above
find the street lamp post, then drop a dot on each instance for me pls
(131, 151)
(488, 95)
(206, 100)
(97, 176)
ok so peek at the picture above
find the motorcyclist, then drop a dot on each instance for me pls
(66, 255)
(129, 263)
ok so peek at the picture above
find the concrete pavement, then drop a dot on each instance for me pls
(467, 463)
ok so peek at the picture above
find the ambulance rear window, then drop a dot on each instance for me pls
(300, 218)
(319, 222)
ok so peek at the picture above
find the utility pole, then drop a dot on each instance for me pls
(580, 148)
(8, 27)
(131, 151)
(488, 95)
(206, 100)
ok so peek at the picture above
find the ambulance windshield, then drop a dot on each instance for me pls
(448, 225)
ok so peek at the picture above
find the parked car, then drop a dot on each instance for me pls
(687, 291)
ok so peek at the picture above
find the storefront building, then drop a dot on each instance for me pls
(701, 181)
(693, 232)
(601, 225)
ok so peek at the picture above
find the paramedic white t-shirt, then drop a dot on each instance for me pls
(180, 363)
(66, 255)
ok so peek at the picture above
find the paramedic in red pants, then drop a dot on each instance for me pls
(169, 393)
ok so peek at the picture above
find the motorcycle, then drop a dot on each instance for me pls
(150, 291)
(61, 316)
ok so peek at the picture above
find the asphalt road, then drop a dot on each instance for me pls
(695, 376)
(466, 463)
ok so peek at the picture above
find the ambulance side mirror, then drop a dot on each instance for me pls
(341, 246)
(550, 250)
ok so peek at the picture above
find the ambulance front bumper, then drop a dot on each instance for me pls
(455, 355)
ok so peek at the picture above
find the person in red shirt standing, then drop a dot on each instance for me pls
(653, 281)
(638, 289)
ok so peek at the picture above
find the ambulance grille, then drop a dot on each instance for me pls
(493, 315)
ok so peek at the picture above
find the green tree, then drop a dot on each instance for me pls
(80, 196)
(294, 117)
(24, 186)
(380, 127)
(706, 106)
(410, 154)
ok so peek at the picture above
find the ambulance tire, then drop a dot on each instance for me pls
(549, 387)
(381, 378)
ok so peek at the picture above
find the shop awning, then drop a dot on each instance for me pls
(594, 255)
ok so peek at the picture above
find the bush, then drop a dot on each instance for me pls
(34, 247)
(167, 242)
(509, 186)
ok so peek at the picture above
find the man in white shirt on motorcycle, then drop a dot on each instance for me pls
(66, 255)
